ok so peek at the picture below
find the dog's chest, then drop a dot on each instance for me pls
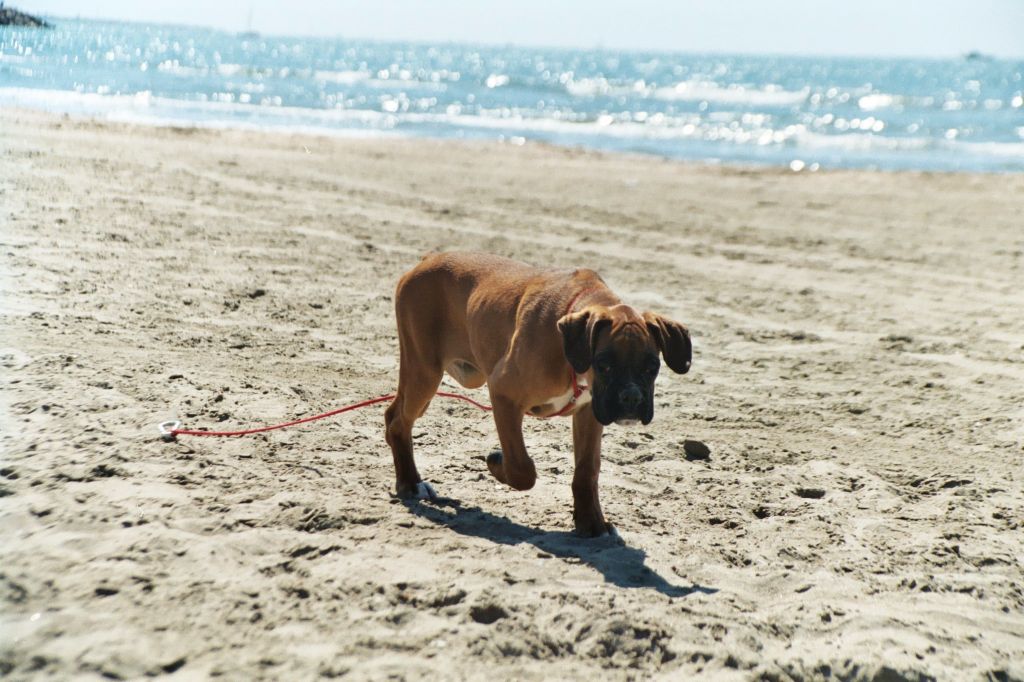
(556, 404)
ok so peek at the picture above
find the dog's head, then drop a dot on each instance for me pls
(622, 346)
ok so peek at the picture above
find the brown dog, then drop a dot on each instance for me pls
(546, 343)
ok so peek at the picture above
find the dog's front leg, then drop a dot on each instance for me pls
(586, 440)
(512, 465)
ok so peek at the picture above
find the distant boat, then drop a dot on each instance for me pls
(248, 33)
(974, 55)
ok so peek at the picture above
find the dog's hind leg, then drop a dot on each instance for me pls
(418, 380)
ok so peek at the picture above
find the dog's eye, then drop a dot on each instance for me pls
(603, 366)
(652, 369)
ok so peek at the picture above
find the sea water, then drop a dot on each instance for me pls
(801, 112)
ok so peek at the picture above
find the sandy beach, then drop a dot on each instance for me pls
(858, 364)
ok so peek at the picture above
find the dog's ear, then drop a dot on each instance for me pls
(579, 335)
(674, 341)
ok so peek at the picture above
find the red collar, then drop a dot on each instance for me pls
(577, 389)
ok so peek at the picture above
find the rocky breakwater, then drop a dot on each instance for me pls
(12, 17)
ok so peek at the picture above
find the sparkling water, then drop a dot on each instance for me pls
(801, 112)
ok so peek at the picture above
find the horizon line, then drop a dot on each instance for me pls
(599, 47)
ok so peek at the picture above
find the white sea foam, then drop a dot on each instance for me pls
(878, 100)
(696, 91)
(751, 131)
(173, 67)
(496, 80)
(866, 142)
(689, 91)
(136, 118)
(523, 124)
(403, 84)
(1011, 150)
(144, 108)
(860, 141)
(341, 77)
(590, 87)
(229, 70)
(884, 100)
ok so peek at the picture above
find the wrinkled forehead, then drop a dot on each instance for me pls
(628, 335)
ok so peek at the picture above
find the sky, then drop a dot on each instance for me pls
(912, 28)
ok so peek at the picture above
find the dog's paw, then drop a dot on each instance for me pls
(610, 536)
(598, 529)
(421, 490)
(495, 464)
(424, 491)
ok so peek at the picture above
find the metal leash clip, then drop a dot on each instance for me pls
(168, 428)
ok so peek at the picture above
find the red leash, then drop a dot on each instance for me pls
(171, 429)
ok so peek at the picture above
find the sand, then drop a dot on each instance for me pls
(856, 389)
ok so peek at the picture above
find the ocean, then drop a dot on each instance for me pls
(804, 113)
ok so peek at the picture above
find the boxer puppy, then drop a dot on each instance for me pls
(546, 342)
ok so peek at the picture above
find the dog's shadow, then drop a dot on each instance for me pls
(620, 564)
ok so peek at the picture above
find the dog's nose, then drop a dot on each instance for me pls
(630, 398)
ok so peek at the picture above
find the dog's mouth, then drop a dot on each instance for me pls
(609, 412)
